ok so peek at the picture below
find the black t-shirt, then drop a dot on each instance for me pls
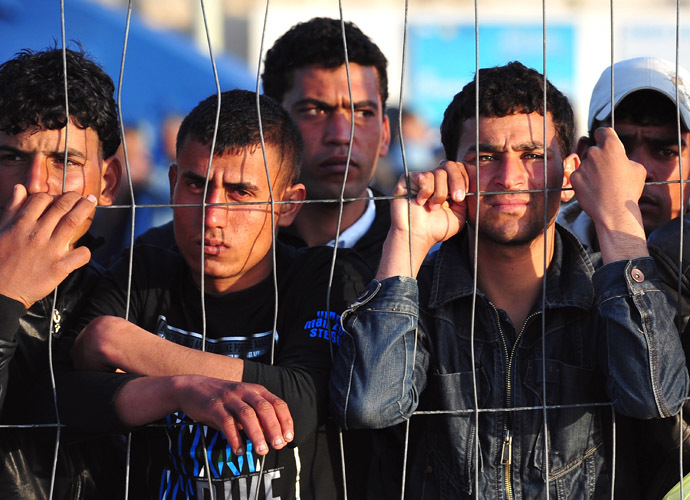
(165, 300)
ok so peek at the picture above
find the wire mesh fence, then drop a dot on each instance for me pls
(476, 410)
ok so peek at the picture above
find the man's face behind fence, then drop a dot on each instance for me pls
(235, 239)
(656, 147)
(36, 159)
(511, 158)
(319, 102)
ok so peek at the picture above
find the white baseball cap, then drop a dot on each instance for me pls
(640, 73)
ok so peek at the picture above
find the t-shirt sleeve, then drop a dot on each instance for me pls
(309, 332)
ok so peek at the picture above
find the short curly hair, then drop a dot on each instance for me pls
(238, 127)
(319, 42)
(32, 94)
(507, 90)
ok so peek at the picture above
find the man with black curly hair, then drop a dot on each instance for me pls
(511, 313)
(305, 71)
(56, 163)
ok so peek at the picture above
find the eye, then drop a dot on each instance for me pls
(240, 194)
(365, 113)
(195, 186)
(667, 153)
(58, 162)
(533, 156)
(10, 159)
(312, 110)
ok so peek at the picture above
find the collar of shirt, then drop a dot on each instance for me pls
(352, 234)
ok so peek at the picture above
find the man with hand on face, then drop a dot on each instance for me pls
(607, 329)
(224, 233)
(305, 71)
(646, 122)
(651, 128)
(54, 169)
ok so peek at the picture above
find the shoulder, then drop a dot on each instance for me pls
(162, 236)
(310, 265)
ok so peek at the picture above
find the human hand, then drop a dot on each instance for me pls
(608, 187)
(230, 407)
(235, 406)
(437, 211)
(438, 205)
(36, 234)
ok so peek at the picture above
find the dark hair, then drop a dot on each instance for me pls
(319, 42)
(32, 94)
(507, 90)
(238, 127)
(644, 107)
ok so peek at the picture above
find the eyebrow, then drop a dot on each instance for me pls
(654, 141)
(495, 148)
(233, 186)
(52, 154)
(322, 104)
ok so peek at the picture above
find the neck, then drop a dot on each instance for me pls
(506, 273)
(317, 223)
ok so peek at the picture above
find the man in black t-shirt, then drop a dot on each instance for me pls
(224, 225)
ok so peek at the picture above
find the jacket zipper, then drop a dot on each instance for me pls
(507, 448)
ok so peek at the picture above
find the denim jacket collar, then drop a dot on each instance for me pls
(569, 276)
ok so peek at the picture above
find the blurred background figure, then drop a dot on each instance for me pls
(168, 143)
(150, 188)
(422, 148)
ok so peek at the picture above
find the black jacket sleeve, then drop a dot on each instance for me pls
(10, 312)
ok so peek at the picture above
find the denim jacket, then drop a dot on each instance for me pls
(609, 337)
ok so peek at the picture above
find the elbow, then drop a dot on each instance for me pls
(367, 407)
(665, 400)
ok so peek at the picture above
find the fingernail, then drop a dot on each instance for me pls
(262, 448)
(278, 442)
(435, 206)
(289, 435)
(459, 195)
(91, 198)
(239, 451)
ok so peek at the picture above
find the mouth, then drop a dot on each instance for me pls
(337, 164)
(213, 246)
(508, 200)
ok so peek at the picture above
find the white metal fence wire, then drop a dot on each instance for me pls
(473, 198)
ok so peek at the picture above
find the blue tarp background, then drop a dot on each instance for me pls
(164, 72)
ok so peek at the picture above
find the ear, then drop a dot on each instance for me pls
(288, 211)
(570, 164)
(172, 178)
(582, 146)
(111, 177)
(385, 137)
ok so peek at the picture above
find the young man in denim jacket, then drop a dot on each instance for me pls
(604, 324)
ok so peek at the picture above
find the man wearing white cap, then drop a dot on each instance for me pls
(651, 113)
(645, 102)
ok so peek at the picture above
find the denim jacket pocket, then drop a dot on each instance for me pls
(454, 461)
(576, 445)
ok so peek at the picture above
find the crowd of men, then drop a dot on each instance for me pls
(513, 319)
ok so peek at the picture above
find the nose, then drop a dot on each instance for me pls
(338, 128)
(511, 174)
(216, 215)
(37, 176)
